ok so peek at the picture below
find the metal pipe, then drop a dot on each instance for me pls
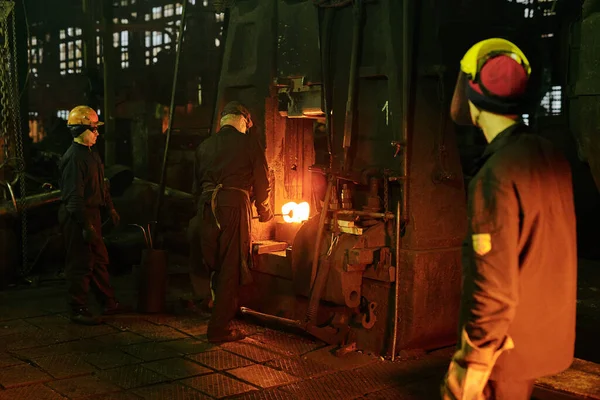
(352, 84)
(406, 91)
(108, 49)
(385, 215)
(273, 318)
(325, 42)
(29, 202)
(321, 228)
(397, 281)
(163, 173)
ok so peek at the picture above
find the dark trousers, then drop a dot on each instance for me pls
(509, 390)
(221, 251)
(85, 262)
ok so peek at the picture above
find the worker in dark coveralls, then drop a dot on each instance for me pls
(517, 316)
(230, 169)
(84, 193)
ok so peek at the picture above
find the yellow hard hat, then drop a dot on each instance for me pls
(476, 57)
(84, 115)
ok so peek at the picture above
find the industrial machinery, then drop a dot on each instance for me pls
(355, 122)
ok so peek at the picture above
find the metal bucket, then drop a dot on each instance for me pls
(152, 289)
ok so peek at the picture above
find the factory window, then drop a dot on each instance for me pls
(525, 119)
(552, 101)
(64, 114)
(547, 35)
(200, 93)
(220, 17)
(35, 54)
(71, 51)
(549, 12)
(217, 42)
(529, 13)
(156, 41)
(121, 41)
(205, 3)
(99, 49)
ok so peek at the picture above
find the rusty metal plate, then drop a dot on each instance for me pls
(83, 386)
(37, 392)
(83, 331)
(6, 360)
(74, 347)
(64, 366)
(136, 324)
(177, 368)
(190, 346)
(16, 326)
(292, 345)
(220, 360)
(9, 313)
(173, 391)
(385, 374)
(122, 339)
(111, 359)
(131, 376)
(217, 385)
(190, 326)
(49, 322)
(35, 339)
(251, 349)
(300, 367)
(160, 333)
(337, 386)
(118, 396)
(23, 374)
(150, 351)
(423, 389)
(269, 394)
(262, 376)
(247, 328)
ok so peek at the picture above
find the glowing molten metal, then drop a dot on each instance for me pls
(295, 213)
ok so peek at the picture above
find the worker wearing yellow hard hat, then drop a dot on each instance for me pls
(517, 316)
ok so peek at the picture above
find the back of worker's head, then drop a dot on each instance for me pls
(493, 79)
(237, 115)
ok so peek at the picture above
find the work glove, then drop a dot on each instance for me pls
(115, 217)
(470, 370)
(266, 216)
(89, 234)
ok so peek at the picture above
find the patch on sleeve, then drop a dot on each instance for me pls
(482, 243)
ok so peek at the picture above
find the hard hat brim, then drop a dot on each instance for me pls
(471, 62)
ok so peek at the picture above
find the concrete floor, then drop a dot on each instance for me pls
(44, 356)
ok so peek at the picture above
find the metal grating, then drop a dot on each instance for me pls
(83, 331)
(262, 376)
(131, 376)
(122, 339)
(217, 385)
(161, 333)
(190, 346)
(338, 386)
(220, 360)
(37, 392)
(83, 386)
(64, 366)
(74, 347)
(150, 351)
(251, 349)
(191, 326)
(177, 368)
(172, 391)
(246, 327)
(287, 344)
(7, 361)
(16, 326)
(23, 374)
(35, 339)
(299, 367)
(429, 389)
(111, 359)
(269, 394)
(389, 374)
(118, 396)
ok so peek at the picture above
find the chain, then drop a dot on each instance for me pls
(9, 86)
(3, 90)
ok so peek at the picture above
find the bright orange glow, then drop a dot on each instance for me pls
(295, 213)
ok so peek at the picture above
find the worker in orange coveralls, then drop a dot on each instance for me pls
(229, 166)
(517, 317)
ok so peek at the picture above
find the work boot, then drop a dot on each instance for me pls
(117, 308)
(84, 317)
(232, 335)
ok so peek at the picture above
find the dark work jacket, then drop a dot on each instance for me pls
(82, 181)
(525, 285)
(234, 160)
